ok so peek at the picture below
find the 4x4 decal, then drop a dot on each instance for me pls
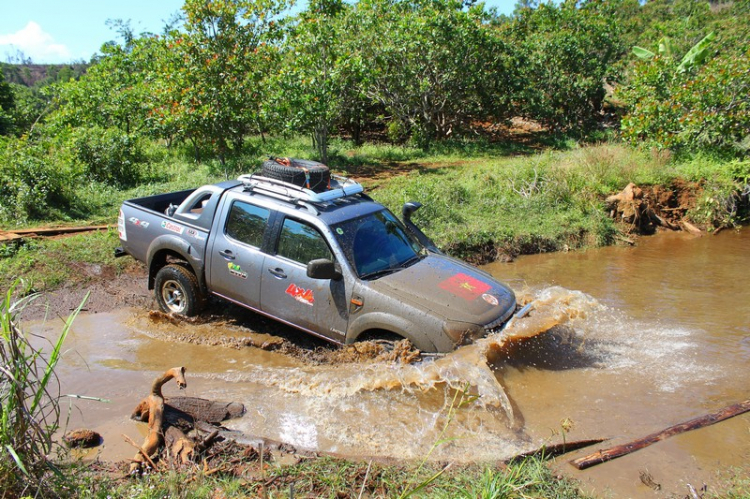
(301, 295)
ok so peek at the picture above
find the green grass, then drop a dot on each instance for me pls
(544, 202)
(548, 201)
(327, 477)
(735, 484)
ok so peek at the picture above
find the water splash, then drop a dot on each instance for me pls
(469, 366)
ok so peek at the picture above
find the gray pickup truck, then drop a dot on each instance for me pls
(333, 263)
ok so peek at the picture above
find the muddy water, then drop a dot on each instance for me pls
(668, 340)
(642, 338)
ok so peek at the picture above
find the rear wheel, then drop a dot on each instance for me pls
(177, 291)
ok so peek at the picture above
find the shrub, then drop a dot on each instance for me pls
(562, 55)
(701, 110)
(34, 180)
(109, 155)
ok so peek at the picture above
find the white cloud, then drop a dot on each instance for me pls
(35, 43)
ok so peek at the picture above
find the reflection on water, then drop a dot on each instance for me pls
(637, 339)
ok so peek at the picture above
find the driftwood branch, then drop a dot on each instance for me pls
(155, 437)
(622, 450)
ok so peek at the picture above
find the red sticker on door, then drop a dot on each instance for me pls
(301, 295)
(465, 286)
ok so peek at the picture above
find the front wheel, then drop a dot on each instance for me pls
(177, 291)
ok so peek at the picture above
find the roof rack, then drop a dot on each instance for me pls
(339, 187)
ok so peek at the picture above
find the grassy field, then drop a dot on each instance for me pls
(481, 201)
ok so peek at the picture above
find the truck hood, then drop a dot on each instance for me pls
(451, 289)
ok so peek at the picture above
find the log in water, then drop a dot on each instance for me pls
(621, 450)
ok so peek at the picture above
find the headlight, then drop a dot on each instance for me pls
(463, 332)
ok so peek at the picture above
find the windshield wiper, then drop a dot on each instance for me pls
(390, 270)
(411, 261)
(379, 273)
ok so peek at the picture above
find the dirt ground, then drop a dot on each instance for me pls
(108, 292)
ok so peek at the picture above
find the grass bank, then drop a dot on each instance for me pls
(484, 207)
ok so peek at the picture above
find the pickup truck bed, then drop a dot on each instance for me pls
(160, 202)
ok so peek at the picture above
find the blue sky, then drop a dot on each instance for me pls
(61, 31)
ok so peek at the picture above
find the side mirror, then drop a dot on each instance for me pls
(323, 269)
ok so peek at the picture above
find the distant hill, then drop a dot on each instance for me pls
(39, 75)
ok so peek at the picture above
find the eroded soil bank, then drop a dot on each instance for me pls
(679, 206)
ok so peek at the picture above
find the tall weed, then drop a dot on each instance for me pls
(29, 404)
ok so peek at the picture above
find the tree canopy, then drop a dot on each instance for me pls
(419, 70)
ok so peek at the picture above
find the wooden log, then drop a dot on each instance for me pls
(9, 236)
(621, 450)
(54, 231)
(180, 446)
(690, 228)
(555, 450)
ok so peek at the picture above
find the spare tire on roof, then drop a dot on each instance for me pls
(304, 173)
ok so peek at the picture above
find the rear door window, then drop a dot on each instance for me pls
(247, 223)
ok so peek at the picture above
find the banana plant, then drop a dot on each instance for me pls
(697, 55)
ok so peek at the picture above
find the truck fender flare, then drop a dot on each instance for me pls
(387, 322)
(169, 244)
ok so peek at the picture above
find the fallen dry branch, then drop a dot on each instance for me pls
(621, 450)
(141, 452)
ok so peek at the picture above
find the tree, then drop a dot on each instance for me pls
(30, 106)
(319, 75)
(704, 108)
(213, 76)
(435, 67)
(696, 56)
(6, 106)
(563, 55)
(113, 93)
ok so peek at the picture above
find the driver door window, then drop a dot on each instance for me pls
(302, 243)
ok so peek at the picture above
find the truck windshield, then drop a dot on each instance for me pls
(377, 244)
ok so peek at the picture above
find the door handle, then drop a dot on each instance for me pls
(277, 272)
(227, 254)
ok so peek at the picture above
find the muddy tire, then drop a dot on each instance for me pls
(178, 292)
(297, 171)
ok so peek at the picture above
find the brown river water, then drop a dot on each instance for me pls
(644, 338)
